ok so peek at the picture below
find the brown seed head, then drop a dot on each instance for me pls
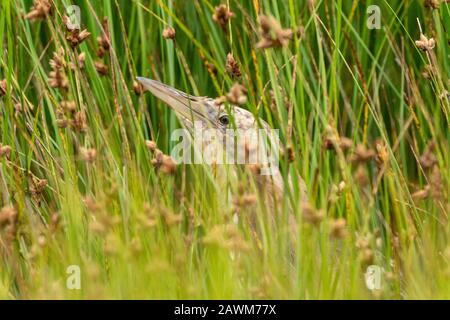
(68, 106)
(360, 176)
(37, 186)
(382, 154)
(222, 15)
(311, 214)
(436, 184)
(425, 44)
(76, 37)
(79, 121)
(338, 228)
(81, 59)
(421, 194)
(88, 154)
(103, 40)
(237, 94)
(57, 77)
(8, 215)
(138, 88)
(151, 145)
(342, 143)
(40, 10)
(362, 154)
(427, 160)
(2, 87)
(169, 33)
(273, 35)
(232, 66)
(5, 151)
(433, 4)
(168, 165)
(101, 68)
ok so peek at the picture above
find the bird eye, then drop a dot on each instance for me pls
(224, 120)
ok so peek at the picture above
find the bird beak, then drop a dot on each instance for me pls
(188, 108)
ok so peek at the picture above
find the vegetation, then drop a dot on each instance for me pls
(363, 115)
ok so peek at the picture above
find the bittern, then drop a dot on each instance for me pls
(211, 114)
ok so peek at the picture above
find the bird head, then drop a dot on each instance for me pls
(192, 110)
(238, 135)
(203, 110)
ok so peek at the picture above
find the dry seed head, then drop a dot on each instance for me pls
(169, 33)
(425, 44)
(436, 184)
(17, 108)
(445, 95)
(171, 218)
(226, 236)
(428, 71)
(220, 100)
(138, 88)
(79, 122)
(254, 168)
(311, 4)
(341, 186)
(62, 122)
(92, 205)
(273, 35)
(76, 37)
(237, 94)
(232, 66)
(382, 154)
(37, 186)
(379, 242)
(311, 214)
(168, 165)
(366, 257)
(41, 240)
(58, 62)
(211, 68)
(360, 176)
(103, 40)
(342, 143)
(244, 201)
(8, 215)
(41, 9)
(433, 4)
(362, 154)
(362, 243)
(88, 154)
(338, 228)
(101, 68)
(151, 145)
(55, 221)
(5, 151)
(57, 77)
(69, 106)
(2, 87)
(427, 160)
(81, 59)
(222, 15)
(290, 153)
(163, 162)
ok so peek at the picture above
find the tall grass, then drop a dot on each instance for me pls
(138, 233)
